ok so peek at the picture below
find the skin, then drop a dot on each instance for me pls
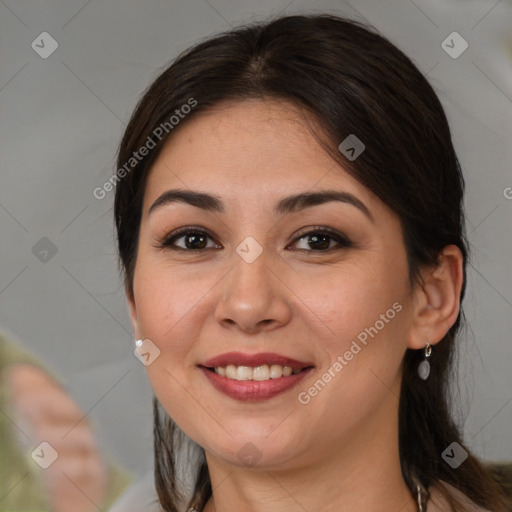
(340, 451)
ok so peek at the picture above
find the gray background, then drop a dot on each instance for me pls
(62, 118)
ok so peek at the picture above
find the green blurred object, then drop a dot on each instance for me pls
(21, 486)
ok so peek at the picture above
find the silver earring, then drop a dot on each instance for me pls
(422, 495)
(424, 366)
(421, 499)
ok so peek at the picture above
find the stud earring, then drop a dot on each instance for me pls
(424, 366)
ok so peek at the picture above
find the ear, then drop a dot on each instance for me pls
(133, 311)
(437, 300)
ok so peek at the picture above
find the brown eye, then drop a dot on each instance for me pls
(320, 240)
(192, 240)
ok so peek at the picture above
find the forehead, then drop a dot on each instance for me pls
(250, 150)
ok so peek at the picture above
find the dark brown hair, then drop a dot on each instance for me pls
(350, 80)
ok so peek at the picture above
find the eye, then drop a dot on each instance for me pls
(319, 239)
(193, 240)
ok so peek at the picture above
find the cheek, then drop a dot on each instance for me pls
(361, 343)
(164, 309)
(360, 317)
(341, 303)
(165, 300)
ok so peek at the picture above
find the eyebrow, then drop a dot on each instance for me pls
(285, 206)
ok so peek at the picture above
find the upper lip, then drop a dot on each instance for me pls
(241, 359)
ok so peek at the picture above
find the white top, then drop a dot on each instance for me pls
(142, 497)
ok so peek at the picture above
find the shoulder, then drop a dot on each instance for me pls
(438, 503)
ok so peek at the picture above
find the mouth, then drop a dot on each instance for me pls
(258, 367)
(247, 389)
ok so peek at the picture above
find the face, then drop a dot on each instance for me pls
(323, 282)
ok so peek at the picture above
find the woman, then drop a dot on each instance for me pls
(291, 232)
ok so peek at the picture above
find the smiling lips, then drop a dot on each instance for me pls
(254, 377)
(254, 360)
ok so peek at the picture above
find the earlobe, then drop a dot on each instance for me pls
(437, 300)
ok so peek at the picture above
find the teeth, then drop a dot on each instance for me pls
(258, 373)
(243, 373)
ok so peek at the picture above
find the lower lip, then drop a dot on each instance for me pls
(253, 390)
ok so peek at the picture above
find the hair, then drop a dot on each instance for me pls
(351, 80)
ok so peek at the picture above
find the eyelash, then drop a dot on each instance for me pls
(342, 241)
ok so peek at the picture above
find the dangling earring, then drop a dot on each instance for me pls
(422, 495)
(424, 366)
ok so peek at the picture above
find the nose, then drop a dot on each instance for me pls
(254, 297)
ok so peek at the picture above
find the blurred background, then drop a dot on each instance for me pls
(71, 73)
